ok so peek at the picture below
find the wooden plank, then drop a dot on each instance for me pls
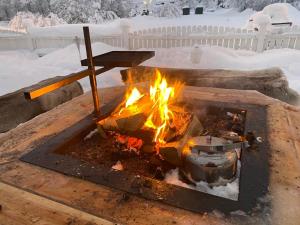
(285, 167)
(24, 137)
(94, 199)
(23, 208)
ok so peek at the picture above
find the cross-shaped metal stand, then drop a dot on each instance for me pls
(107, 61)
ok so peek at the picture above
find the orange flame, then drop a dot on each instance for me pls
(132, 98)
(160, 95)
(159, 117)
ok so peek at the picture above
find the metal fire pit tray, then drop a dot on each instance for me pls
(120, 58)
(254, 174)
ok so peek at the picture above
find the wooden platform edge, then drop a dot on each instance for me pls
(19, 207)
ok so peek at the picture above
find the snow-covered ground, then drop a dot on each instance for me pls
(221, 17)
(23, 68)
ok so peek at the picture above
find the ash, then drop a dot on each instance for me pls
(229, 191)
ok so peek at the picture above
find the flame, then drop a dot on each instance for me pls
(134, 96)
(160, 95)
(132, 99)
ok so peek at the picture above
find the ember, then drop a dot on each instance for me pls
(131, 143)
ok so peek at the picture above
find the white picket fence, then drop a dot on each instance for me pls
(168, 37)
(235, 38)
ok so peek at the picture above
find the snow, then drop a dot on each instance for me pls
(32, 69)
(72, 30)
(259, 21)
(90, 135)
(274, 13)
(24, 20)
(278, 12)
(224, 17)
(223, 58)
(118, 166)
(230, 190)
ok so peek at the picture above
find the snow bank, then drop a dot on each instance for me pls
(24, 20)
(32, 69)
(259, 21)
(72, 30)
(230, 190)
(278, 12)
(223, 58)
(274, 13)
(221, 17)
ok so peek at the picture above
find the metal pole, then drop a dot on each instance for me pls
(91, 67)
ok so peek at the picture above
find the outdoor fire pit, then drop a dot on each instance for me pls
(159, 143)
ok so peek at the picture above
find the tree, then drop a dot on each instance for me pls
(83, 11)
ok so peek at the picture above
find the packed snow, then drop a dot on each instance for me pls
(271, 14)
(31, 69)
(230, 190)
(118, 166)
(24, 20)
(222, 17)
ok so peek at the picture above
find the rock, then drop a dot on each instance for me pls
(271, 82)
(15, 109)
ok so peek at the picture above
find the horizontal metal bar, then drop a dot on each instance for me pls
(39, 90)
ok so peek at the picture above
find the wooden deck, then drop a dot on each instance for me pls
(33, 195)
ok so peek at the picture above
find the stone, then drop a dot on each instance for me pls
(271, 82)
(15, 109)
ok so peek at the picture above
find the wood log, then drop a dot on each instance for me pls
(131, 123)
(129, 119)
(271, 82)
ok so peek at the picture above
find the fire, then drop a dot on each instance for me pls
(133, 97)
(160, 95)
(159, 115)
(131, 100)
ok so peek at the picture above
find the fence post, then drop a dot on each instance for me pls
(125, 28)
(77, 42)
(261, 37)
(33, 42)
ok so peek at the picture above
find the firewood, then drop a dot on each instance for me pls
(128, 119)
(171, 151)
(179, 126)
(131, 123)
(108, 123)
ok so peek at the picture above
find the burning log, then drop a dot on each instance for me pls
(172, 151)
(129, 119)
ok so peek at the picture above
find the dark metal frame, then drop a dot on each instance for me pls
(254, 175)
